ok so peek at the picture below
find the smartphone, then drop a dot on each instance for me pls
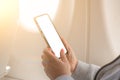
(52, 38)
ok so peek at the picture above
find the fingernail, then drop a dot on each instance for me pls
(49, 49)
(62, 50)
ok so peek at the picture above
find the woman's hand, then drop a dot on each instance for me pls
(53, 66)
(70, 56)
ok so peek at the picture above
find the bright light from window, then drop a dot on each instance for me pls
(31, 8)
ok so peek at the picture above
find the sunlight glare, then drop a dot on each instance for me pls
(28, 9)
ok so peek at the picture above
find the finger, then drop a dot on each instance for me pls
(44, 64)
(67, 46)
(48, 52)
(45, 60)
(50, 55)
(48, 48)
(43, 56)
(63, 56)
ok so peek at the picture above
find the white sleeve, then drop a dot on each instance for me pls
(85, 71)
(64, 77)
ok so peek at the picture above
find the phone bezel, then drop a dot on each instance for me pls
(37, 24)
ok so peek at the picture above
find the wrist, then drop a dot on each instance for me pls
(74, 68)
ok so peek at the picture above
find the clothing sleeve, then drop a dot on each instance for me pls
(85, 71)
(64, 77)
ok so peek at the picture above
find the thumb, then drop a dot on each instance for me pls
(63, 56)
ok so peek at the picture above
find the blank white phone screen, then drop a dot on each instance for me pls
(50, 34)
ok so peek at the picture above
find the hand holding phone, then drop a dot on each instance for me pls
(50, 34)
